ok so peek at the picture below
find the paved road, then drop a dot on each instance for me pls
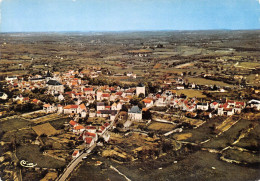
(71, 166)
(67, 171)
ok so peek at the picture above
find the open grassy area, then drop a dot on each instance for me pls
(249, 64)
(161, 126)
(191, 93)
(197, 166)
(13, 124)
(31, 153)
(244, 157)
(228, 137)
(252, 140)
(202, 81)
(59, 123)
(204, 132)
(20, 136)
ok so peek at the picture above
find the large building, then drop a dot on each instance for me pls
(135, 113)
(55, 87)
(140, 89)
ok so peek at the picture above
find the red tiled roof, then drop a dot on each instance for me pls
(88, 89)
(88, 140)
(71, 107)
(102, 128)
(75, 152)
(46, 105)
(90, 127)
(105, 95)
(240, 103)
(79, 127)
(90, 134)
(147, 100)
(35, 100)
(82, 106)
(73, 123)
(119, 93)
(106, 124)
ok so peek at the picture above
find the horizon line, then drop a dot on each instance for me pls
(107, 31)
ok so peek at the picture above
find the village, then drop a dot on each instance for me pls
(161, 105)
(94, 111)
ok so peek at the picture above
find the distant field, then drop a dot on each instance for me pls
(191, 93)
(202, 81)
(249, 64)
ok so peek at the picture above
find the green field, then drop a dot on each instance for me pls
(13, 124)
(202, 81)
(249, 64)
(191, 93)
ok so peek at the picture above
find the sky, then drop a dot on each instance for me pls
(127, 15)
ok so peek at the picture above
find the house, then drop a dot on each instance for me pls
(75, 154)
(214, 105)
(18, 98)
(148, 102)
(100, 106)
(135, 113)
(161, 101)
(70, 109)
(202, 106)
(101, 130)
(105, 96)
(60, 109)
(36, 101)
(3, 96)
(106, 113)
(49, 108)
(89, 91)
(113, 97)
(225, 110)
(254, 104)
(89, 134)
(91, 129)
(92, 113)
(231, 103)
(179, 87)
(82, 110)
(89, 141)
(99, 94)
(73, 123)
(11, 78)
(78, 129)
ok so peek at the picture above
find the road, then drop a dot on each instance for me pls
(71, 166)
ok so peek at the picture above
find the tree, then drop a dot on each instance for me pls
(135, 100)
(147, 115)
(141, 95)
(124, 108)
